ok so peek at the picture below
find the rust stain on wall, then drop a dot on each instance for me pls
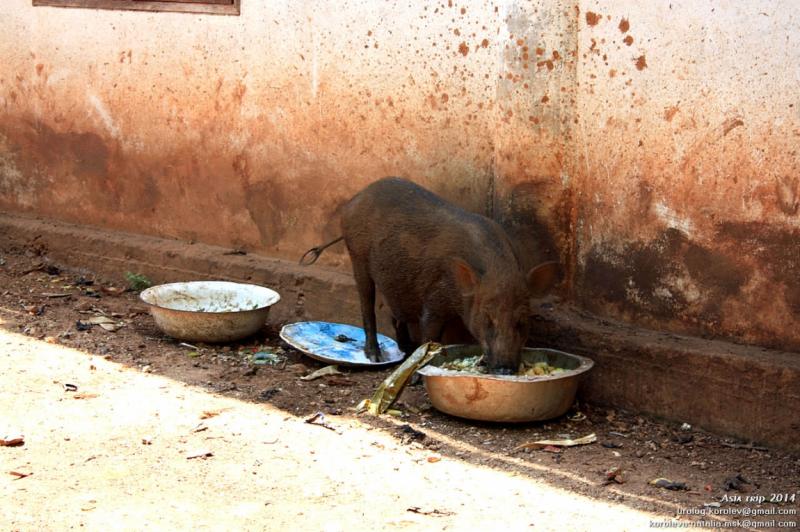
(592, 18)
(670, 112)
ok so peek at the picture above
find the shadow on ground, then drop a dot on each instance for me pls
(43, 301)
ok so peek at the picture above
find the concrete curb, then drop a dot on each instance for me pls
(747, 392)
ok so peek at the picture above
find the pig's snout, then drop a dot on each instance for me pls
(501, 366)
(503, 357)
(501, 337)
(504, 371)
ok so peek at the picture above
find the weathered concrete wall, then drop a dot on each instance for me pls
(652, 148)
(687, 153)
(246, 131)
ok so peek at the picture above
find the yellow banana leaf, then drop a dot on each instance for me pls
(390, 388)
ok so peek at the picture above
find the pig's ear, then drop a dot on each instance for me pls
(543, 277)
(466, 278)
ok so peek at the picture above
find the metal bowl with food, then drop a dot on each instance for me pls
(546, 391)
(209, 311)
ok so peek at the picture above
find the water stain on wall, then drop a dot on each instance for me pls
(667, 277)
(70, 166)
(775, 251)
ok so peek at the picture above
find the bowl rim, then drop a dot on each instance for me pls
(273, 295)
(585, 365)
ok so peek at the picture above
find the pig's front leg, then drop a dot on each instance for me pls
(403, 336)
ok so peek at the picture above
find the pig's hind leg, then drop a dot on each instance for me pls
(366, 296)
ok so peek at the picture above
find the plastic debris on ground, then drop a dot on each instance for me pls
(268, 358)
(577, 416)
(322, 372)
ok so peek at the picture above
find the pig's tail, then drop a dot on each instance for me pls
(311, 256)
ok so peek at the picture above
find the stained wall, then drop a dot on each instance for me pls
(650, 147)
(687, 153)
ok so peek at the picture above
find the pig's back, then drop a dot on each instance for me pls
(407, 236)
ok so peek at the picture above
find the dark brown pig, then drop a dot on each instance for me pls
(438, 267)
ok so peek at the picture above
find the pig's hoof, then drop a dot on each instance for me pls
(374, 355)
(503, 371)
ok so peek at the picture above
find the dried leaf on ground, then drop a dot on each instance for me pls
(106, 323)
(12, 440)
(431, 511)
(113, 290)
(203, 453)
(552, 449)
(339, 381)
(319, 419)
(85, 395)
(591, 438)
(614, 475)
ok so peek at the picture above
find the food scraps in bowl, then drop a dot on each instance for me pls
(516, 398)
(526, 369)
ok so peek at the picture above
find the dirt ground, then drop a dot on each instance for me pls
(115, 451)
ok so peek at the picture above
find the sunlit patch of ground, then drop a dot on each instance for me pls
(90, 465)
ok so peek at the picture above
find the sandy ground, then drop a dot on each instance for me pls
(89, 467)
